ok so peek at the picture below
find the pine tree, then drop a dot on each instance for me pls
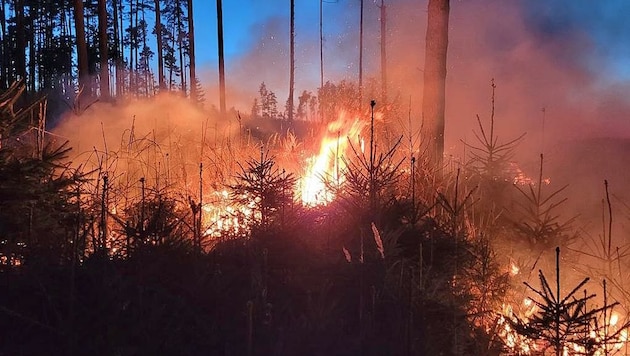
(174, 12)
(268, 103)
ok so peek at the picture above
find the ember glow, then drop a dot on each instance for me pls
(222, 217)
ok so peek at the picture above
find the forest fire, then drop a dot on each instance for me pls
(222, 217)
(146, 209)
(328, 164)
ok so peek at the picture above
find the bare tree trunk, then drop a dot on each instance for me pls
(82, 55)
(180, 46)
(383, 54)
(221, 57)
(118, 48)
(135, 49)
(132, 42)
(361, 56)
(170, 68)
(31, 51)
(102, 34)
(146, 73)
(20, 56)
(158, 30)
(191, 52)
(4, 56)
(433, 104)
(292, 60)
(321, 44)
(321, 53)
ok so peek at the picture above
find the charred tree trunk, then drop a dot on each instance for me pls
(191, 52)
(433, 104)
(292, 65)
(160, 51)
(82, 55)
(103, 43)
(221, 59)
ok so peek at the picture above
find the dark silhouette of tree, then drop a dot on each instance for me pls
(221, 57)
(82, 53)
(118, 46)
(383, 35)
(290, 110)
(268, 103)
(103, 48)
(174, 13)
(4, 47)
(159, 34)
(37, 223)
(20, 41)
(360, 51)
(145, 80)
(262, 182)
(191, 53)
(433, 101)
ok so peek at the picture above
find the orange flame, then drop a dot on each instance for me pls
(328, 163)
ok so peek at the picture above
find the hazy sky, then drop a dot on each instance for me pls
(570, 57)
(246, 22)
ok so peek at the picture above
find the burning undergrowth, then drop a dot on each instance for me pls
(347, 226)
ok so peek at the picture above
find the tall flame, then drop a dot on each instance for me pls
(328, 163)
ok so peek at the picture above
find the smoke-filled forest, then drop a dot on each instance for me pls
(350, 177)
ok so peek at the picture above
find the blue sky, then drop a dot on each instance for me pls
(261, 28)
(243, 20)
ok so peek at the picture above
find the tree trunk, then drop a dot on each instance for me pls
(118, 49)
(136, 46)
(221, 63)
(146, 71)
(433, 104)
(170, 69)
(383, 54)
(292, 64)
(103, 43)
(82, 55)
(321, 53)
(132, 43)
(159, 37)
(191, 52)
(20, 41)
(31, 50)
(180, 47)
(4, 55)
(361, 55)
